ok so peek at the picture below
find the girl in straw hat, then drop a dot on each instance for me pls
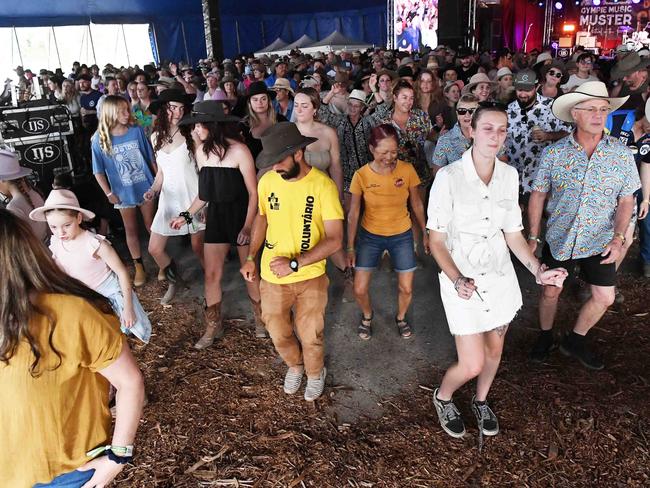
(90, 258)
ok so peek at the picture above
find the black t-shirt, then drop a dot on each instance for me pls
(466, 75)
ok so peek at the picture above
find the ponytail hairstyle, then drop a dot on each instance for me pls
(108, 121)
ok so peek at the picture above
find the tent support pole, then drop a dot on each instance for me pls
(20, 54)
(209, 49)
(237, 32)
(187, 54)
(155, 41)
(56, 45)
(92, 44)
(126, 46)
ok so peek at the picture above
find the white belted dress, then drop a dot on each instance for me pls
(474, 216)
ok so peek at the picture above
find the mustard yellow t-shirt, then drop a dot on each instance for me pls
(385, 198)
(48, 422)
(295, 212)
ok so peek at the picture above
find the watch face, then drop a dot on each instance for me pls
(293, 264)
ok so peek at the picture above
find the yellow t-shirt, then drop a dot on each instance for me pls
(295, 212)
(48, 422)
(385, 198)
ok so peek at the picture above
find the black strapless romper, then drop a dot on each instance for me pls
(225, 191)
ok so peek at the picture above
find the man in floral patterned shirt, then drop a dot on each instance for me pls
(531, 128)
(589, 179)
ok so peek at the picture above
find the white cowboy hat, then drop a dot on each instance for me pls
(587, 91)
(475, 80)
(543, 57)
(359, 95)
(60, 199)
(647, 109)
(282, 84)
(10, 168)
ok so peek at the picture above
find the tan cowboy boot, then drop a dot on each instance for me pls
(173, 283)
(260, 329)
(213, 326)
(161, 274)
(140, 275)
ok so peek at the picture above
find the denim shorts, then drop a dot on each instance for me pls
(73, 479)
(110, 288)
(370, 248)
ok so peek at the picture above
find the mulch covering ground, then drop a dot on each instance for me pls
(219, 417)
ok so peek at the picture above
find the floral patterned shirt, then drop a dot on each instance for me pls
(411, 140)
(450, 147)
(523, 153)
(584, 194)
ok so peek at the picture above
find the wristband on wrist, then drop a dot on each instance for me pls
(458, 281)
(350, 249)
(645, 201)
(122, 451)
(118, 459)
(621, 236)
(532, 237)
(109, 194)
(250, 257)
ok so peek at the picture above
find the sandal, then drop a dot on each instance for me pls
(403, 328)
(364, 328)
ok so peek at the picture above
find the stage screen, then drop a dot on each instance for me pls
(416, 24)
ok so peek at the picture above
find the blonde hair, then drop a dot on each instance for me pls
(71, 93)
(254, 120)
(108, 121)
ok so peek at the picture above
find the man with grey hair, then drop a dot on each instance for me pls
(589, 179)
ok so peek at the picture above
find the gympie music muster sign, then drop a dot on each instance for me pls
(605, 19)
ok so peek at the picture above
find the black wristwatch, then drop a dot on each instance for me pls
(293, 264)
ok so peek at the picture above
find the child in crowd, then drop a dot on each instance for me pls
(90, 258)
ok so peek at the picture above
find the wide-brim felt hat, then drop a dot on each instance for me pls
(170, 95)
(10, 168)
(589, 90)
(543, 57)
(475, 80)
(260, 88)
(628, 64)
(282, 84)
(206, 112)
(60, 200)
(279, 141)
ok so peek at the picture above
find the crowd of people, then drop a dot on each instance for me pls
(469, 157)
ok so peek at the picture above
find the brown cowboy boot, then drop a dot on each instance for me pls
(173, 283)
(213, 326)
(260, 329)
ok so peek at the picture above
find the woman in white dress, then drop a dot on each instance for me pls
(474, 221)
(177, 183)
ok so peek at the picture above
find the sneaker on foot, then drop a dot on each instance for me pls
(581, 352)
(542, 347)
(315, 386)
(449, 416)
(487, 420)
(292, 381)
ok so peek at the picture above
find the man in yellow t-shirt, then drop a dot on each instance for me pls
(300, 224)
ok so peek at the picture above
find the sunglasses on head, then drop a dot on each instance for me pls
(463, 111)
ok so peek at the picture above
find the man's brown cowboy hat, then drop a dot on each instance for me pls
(629, 64)
(279, 141)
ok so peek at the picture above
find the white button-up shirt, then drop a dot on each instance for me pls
(475, 216)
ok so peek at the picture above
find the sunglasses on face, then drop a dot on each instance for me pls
(557, 74)
(463, 111)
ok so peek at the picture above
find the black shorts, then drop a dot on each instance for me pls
(591, 270)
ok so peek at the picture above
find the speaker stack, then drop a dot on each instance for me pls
(37, 132)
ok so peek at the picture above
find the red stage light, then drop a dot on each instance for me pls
(568, 28)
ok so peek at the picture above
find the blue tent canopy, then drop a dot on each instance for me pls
(247, 25)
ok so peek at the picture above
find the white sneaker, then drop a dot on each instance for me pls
(292, 381)
(315, 386)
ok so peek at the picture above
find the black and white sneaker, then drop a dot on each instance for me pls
(449, 416)
(487, 420)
